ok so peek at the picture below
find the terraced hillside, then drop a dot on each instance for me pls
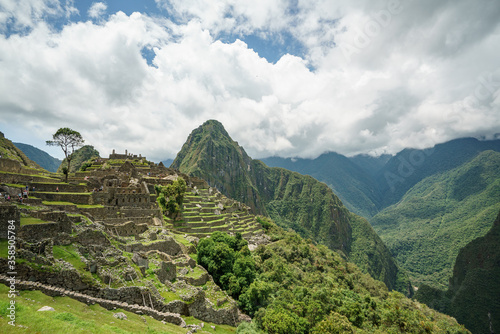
(102, 237)
(206, 211)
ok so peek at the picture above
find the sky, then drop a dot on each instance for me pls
(286, 78)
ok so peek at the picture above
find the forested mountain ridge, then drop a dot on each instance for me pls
(79, 157)
(9, 151)
(41, 157)
(368, 184)
(410, 166)
(439, 215)
(349, 182)
(289, 198)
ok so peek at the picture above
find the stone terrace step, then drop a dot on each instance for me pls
(77, 198)
(200, 223)
(205, 218)
(63, 187)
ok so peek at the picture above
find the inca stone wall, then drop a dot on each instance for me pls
(7, 213)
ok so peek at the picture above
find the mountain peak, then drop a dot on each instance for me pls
(209, 147)
(211, 128)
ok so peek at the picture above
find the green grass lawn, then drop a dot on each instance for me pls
(57, 203)
(3, 248)
(64, 193)
(32, 175)
(79, 206)
(32, 221)
(69, 254)
(71, 316)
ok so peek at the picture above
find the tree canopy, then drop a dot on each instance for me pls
(69, 140)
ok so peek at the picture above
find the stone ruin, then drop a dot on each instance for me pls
(114, 225)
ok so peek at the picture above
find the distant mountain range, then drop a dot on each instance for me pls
(167, 162)
(366, 184)
(424, 204)
(349, 179)
(39, 156)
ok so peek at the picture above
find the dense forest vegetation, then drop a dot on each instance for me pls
(440, 215)
(473, 296)
(294, 286)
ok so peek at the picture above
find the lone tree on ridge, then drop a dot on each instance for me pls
(68, 140)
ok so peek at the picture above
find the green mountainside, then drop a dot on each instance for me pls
(368, 184)
(440, 215)
(9, 151)
(371, 164)
(351, 183)
(410, 166)
(42, 158)
(80, 156)
(473, 296)
(292, 200)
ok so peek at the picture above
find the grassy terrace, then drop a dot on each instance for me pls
(63, 193)
(72, 316)
(32, 175)
(79, 206)
(32, 221)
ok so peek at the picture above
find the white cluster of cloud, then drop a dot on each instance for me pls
(28, 13)
(97, 10)
(376, 76)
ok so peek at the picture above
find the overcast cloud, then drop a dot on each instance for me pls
(370, 76)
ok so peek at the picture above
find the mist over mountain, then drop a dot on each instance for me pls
(167, 162)
(369, 184)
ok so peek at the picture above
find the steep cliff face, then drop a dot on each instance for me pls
(289, 198)
(473, 296)
(475, 286)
